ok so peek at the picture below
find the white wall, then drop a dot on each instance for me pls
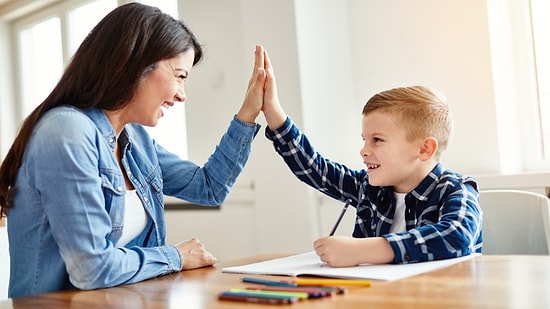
(442, 44)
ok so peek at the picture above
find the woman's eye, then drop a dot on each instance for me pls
(182, 77)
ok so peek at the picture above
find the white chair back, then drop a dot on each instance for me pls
(515, 222)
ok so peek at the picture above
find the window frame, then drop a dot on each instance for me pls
(542, 93)
(532, 129)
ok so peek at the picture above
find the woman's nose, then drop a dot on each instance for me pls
(180, 95)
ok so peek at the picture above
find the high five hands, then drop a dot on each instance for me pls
(261, 94)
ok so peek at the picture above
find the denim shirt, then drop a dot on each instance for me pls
(442, 214)
(69, 205)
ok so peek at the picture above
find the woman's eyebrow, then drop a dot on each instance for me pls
(182, 70)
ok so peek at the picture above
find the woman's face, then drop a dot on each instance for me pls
(160, 90)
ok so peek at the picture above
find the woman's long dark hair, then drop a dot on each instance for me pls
(105, 72)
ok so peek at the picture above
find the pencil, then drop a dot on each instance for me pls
(287, 294)
(340, 217)
(258, 297)
(312, 292)
(330, 282)
(267, 282)
(257, 300)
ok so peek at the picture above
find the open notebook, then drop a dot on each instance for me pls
(309, 264)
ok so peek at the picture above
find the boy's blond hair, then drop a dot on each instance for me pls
(422, 112)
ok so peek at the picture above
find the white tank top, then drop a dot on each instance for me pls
(135, 218)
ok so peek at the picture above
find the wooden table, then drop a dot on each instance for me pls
(481, 282)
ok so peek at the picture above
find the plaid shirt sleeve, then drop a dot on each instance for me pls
(333, 179)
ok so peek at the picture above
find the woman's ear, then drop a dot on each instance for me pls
(428, 148)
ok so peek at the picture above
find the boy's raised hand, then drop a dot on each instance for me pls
(273, 112)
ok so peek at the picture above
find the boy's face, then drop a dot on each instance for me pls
(391, 159)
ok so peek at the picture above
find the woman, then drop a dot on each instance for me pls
(83, 183)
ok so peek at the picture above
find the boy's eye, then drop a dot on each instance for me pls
(376, 139)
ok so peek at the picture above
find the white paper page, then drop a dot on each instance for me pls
(310, 264)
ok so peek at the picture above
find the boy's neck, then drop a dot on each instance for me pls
(424, 169)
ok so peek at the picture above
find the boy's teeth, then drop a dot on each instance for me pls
(165, 105)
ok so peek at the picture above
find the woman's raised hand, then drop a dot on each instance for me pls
(253, 101)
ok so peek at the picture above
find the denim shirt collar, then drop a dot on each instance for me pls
(103, 124)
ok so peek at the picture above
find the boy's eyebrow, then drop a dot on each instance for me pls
(374, 133)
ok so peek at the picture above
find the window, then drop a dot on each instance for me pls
(46, 40)
(42, 38)
(83, 18)
(540, 23)
(521, 67)
(41, 61)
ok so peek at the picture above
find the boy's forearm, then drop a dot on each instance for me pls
(375, 250)
(275, 116)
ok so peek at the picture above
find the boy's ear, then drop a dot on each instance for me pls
(428, 148)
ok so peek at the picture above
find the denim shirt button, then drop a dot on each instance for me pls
(119, 188)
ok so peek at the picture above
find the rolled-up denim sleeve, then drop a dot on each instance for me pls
(209, 184)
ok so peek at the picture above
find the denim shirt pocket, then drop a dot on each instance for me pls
(154, 180)
(114, 190)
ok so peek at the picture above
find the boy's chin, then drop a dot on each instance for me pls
(375, 183)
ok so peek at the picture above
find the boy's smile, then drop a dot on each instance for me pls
(371, 166)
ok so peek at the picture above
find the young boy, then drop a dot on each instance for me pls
(409, 207)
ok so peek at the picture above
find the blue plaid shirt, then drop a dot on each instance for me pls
(442, 214)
